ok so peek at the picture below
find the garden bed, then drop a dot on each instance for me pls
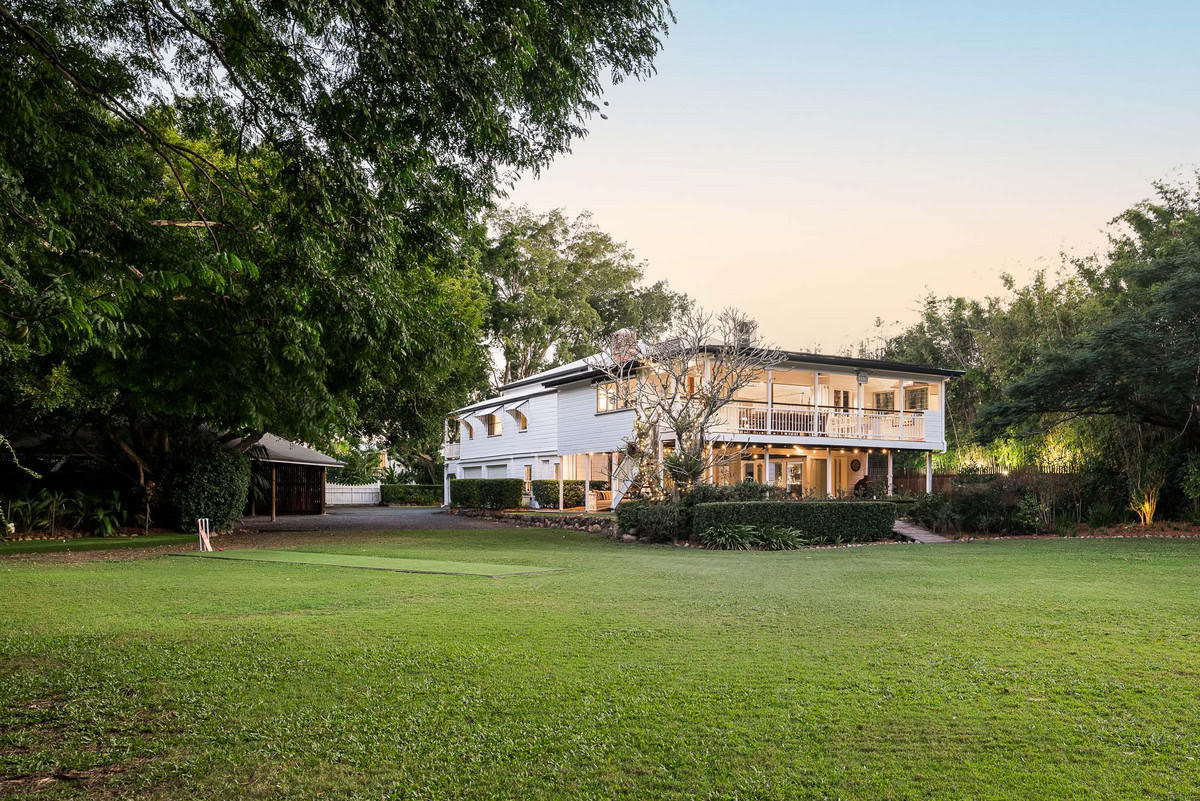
(594, 523)
(1162, 529)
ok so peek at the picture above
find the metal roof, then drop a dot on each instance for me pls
(277, 449)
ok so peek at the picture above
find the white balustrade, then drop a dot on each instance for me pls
(748, 417)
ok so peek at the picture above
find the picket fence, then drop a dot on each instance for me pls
(347, 494)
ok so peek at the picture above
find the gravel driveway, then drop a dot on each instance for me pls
(367, 518)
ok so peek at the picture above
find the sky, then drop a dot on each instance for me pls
(823, 165)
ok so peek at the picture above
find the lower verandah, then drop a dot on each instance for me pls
(800, 471)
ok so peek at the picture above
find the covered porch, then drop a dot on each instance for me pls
(839, 405)
(810, 472)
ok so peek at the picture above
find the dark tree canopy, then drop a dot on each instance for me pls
(254, 215)
(1139, 358)
(1112, 346)
(560, 287)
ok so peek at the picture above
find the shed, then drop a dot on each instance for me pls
(294, 473)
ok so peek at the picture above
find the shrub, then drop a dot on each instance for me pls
(814, 521)
(658, 521)
(208, 481)
(744, 491)
(545, 492)
(487, 493)
(1103, 514)
(733, 537)
(932, 512)
(992, 507)
(780, 538)
(741, 537)
(421, 494)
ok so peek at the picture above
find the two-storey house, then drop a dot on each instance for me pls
(813, 425)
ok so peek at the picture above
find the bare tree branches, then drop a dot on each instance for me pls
(681, 388)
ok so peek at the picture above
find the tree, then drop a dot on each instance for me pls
(680, 387)
(251, 215)
(1137, 362)
(560, 288)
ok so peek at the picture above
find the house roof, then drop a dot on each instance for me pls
(799, 357)
(282, 451)
(586, 370)
(877, 364)
(577, 366)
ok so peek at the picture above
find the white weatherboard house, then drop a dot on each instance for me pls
(813, 425)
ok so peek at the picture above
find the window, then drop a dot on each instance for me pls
(494, 427)
(522, 421)
(612, 396)
(884, 400)
(528, 479)
(916, 399)
(465, 428)
(691, 385)
(841, 399)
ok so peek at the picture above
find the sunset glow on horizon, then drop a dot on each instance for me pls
(820, 166)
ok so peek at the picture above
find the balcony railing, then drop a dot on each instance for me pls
(750, 417)
(450, 450)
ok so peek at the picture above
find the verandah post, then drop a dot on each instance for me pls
(928, 472)
(770, 402)
(587, 483)
(891, 488)
(816, 420)
(562, 468)
(860, 404)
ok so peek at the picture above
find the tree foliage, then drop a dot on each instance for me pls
(560, 288)
(251, 215)
(1098, 370)
(1139, 359)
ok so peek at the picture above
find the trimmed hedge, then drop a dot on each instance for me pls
(545, 492)
(421, 494)
(667, 521)
(658, 521)
(817, 521)
(487, 493)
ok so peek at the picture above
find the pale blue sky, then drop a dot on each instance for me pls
(822, 165)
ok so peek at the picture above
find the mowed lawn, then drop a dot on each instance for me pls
(1043, 669)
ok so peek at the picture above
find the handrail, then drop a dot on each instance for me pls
(799, 419)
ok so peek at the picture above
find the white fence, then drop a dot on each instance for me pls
(345, 494)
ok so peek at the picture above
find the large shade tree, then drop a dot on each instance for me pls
(251, 215)
(560, 288)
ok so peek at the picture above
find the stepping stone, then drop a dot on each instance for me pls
(910, 531)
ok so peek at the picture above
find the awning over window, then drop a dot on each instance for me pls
(484, 412)
(516, 406)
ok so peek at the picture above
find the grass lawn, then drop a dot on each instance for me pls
(94, 543)
(1045, 669)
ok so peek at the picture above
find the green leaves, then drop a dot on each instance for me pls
(560, 288)
(246, 215)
